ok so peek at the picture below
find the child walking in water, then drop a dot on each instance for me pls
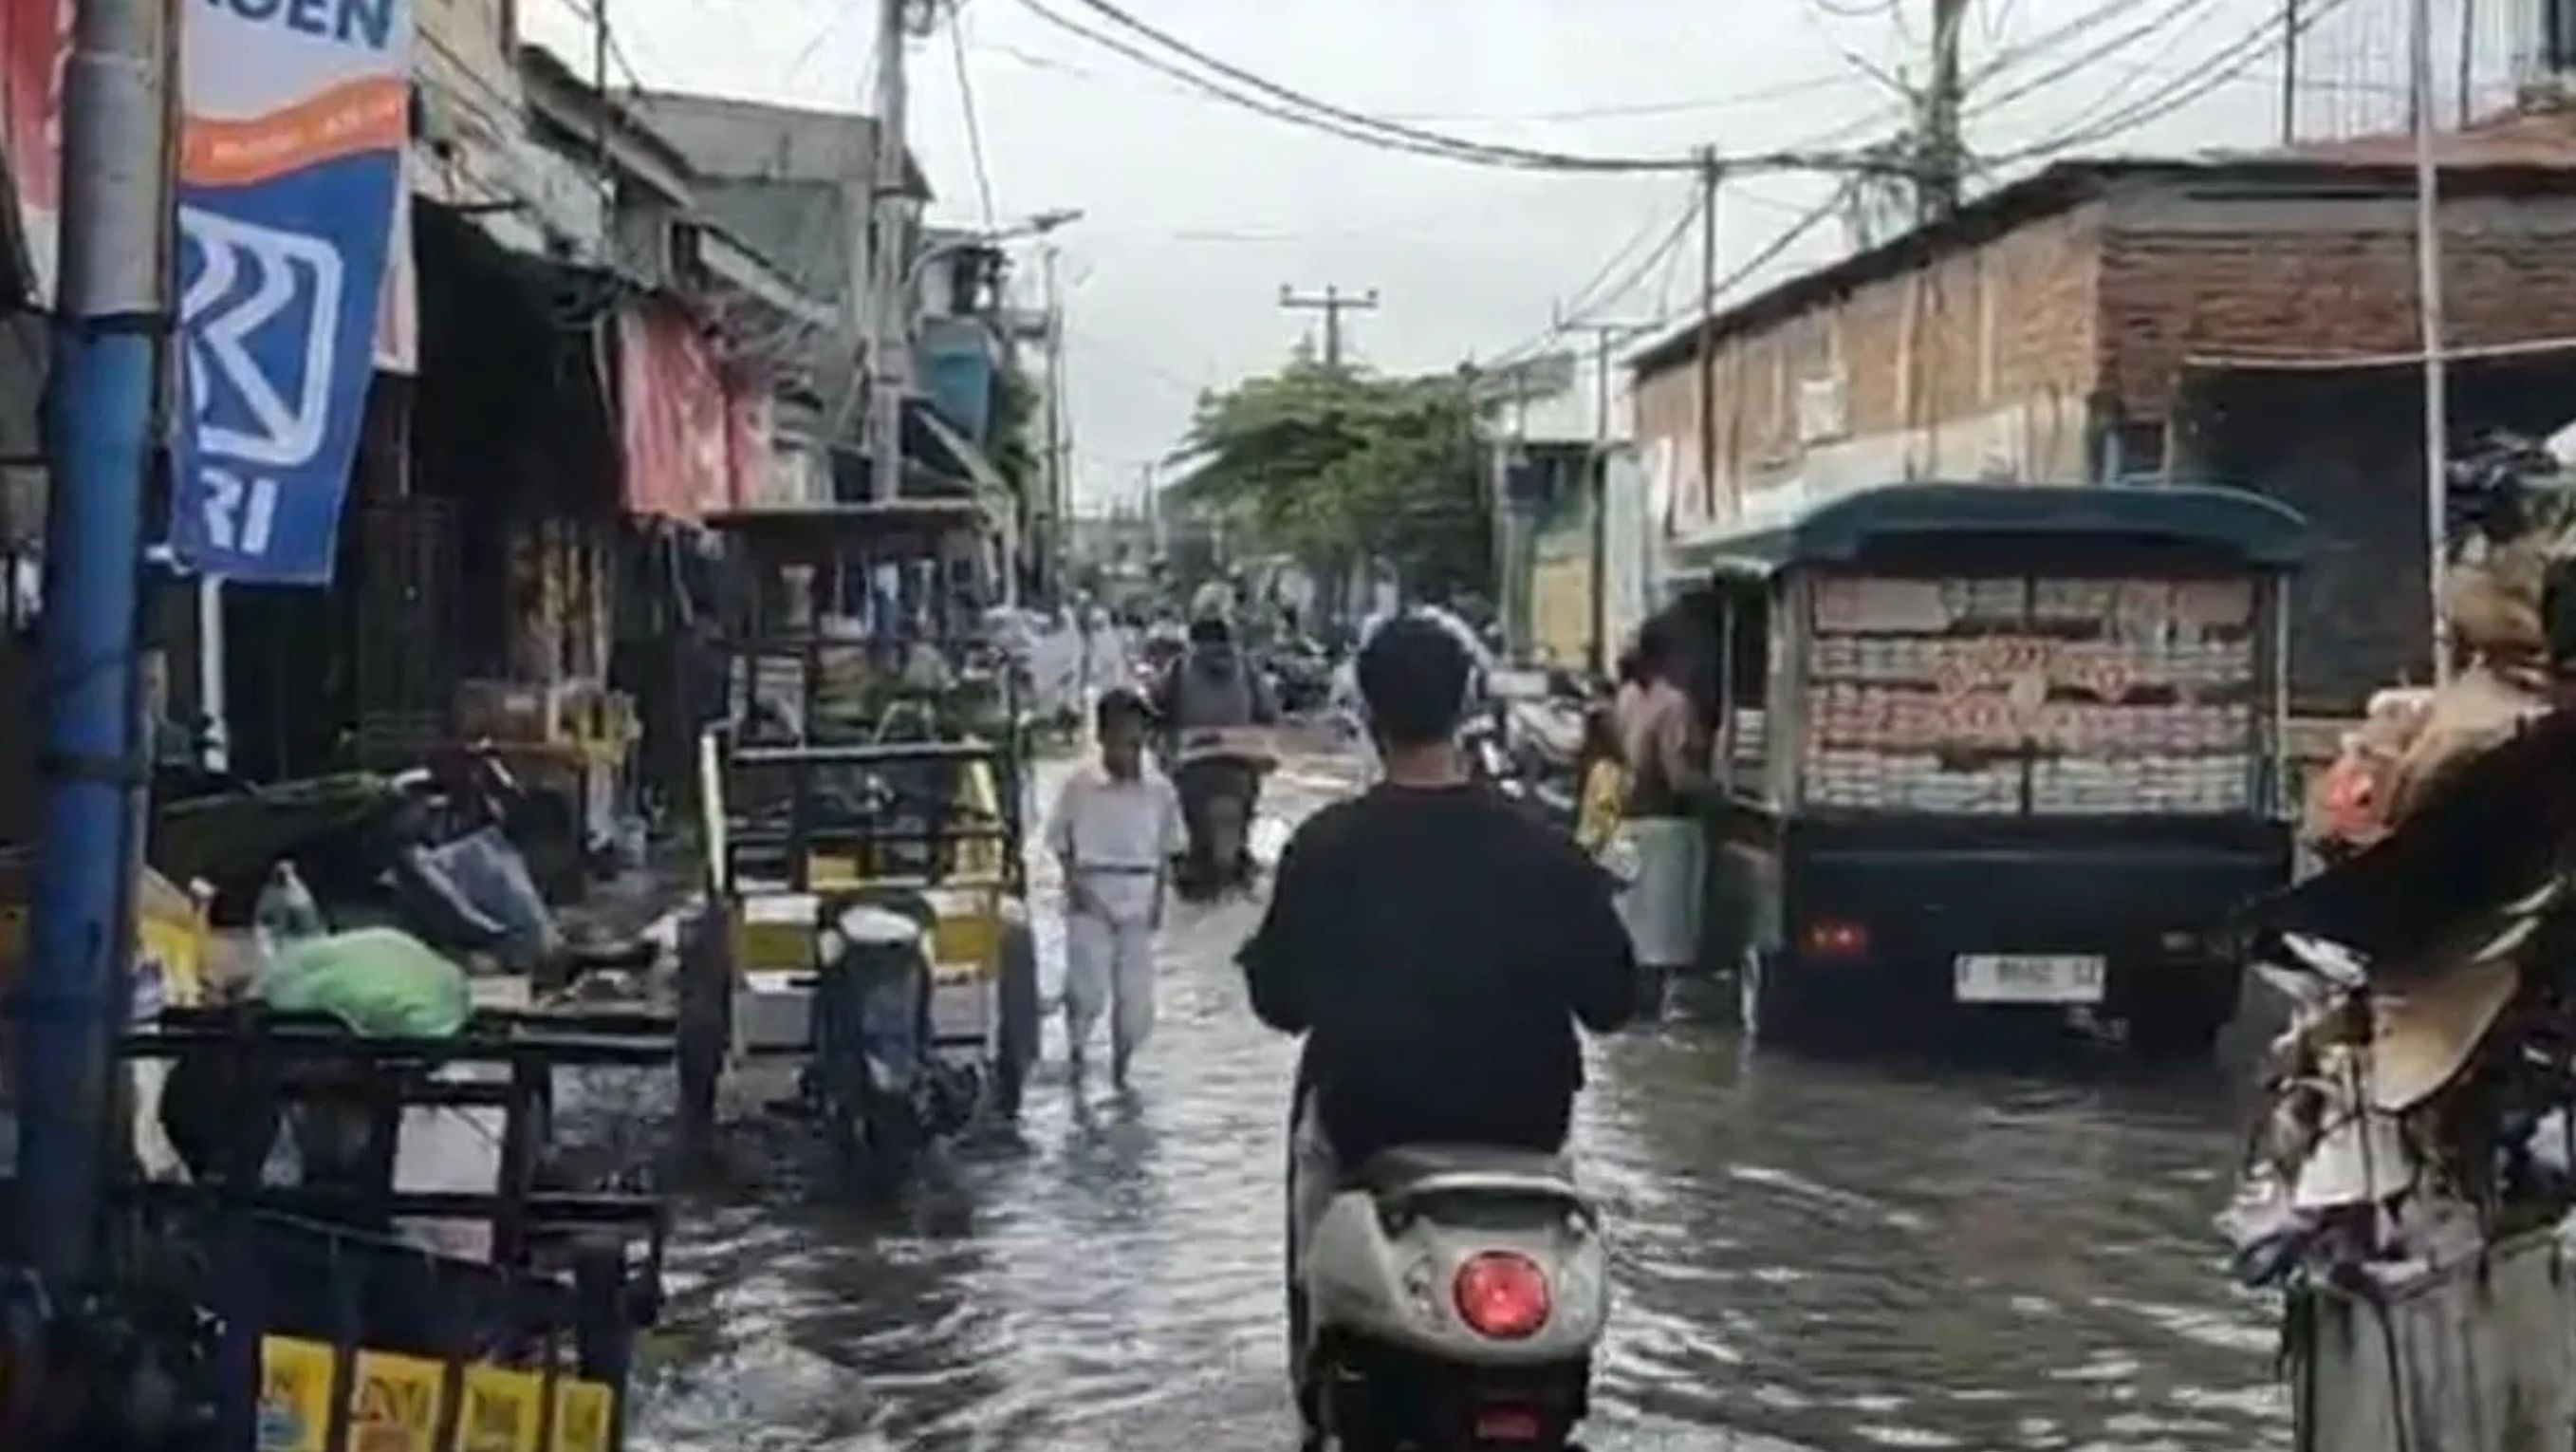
(1114, 832)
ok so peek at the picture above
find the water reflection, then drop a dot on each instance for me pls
(1815, 1254)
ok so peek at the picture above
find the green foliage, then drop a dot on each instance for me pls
(1336, 467)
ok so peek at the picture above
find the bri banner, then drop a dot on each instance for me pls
(296, 117)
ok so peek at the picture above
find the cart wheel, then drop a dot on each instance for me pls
(1022, 1021)
(705, 1023)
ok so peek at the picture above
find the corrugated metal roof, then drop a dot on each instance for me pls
(2535, 138)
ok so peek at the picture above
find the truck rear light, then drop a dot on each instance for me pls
(1831, 938)
(1502, 1295)
(1507, 1424)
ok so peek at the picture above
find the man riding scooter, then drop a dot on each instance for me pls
(1208, 700)
(1437, 949)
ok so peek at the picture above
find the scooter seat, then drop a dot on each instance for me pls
(1410, 1170)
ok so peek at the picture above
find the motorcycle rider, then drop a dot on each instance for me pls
(1344, 696)
(1213, 687)
(1435, 947)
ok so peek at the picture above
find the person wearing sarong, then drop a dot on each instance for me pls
(1665, 751)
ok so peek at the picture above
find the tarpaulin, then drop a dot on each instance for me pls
(34, 35)
(295, 121)
(677, 425)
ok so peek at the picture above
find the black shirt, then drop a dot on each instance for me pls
(1436, 947)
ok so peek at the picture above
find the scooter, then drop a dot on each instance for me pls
(874, 1084)
(1219, 777)
(1454, 1296)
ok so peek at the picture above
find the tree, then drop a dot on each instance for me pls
(1335, 467)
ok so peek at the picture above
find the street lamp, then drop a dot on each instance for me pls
(893, 371)
(1036, 226)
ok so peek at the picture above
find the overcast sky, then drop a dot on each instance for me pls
(1197, 212)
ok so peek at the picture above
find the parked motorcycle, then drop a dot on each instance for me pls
(873, 1081)
(1526, 740)
(1454, 1297)
(432, 851)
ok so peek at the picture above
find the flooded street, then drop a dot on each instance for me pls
(1811, 1254)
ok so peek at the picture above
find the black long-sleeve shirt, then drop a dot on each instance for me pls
(1437, 949)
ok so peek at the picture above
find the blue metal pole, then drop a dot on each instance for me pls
(110, 319)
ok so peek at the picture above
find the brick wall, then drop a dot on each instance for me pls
(2206, 272)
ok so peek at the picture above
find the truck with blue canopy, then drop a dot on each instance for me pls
(1997, 748)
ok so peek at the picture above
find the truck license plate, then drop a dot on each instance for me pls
(2028, 978)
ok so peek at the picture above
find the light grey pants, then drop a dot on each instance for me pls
(1108, 969)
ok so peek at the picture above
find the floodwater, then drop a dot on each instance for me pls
(1810, 1255)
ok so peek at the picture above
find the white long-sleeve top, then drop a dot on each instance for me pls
(1117, 835)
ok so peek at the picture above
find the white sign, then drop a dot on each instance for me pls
(2030, 978)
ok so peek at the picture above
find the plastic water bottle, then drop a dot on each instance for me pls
(285, 913)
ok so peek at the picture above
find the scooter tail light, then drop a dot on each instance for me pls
(1502, 1295)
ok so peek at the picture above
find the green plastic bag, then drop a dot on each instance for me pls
(381, 982)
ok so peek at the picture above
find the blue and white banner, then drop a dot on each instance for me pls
(297, 115)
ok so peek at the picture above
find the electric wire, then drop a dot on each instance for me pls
(1816, 12)
(966, 103)
(1591, 294)
(2172, 16)
(596, 12)
(1395, 129)
(2048, 40)
(1762, 257)
(1680, 106)
(2150, 67)
(1298, 109)
(2220, 69)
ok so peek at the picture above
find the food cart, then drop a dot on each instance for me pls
(1998, 748)
(870, 759)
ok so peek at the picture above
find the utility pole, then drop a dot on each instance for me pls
(1059, 514)
(107, 353)
(1153, 510)
(888, 200)
(1710, 175)
(1332, 303)
(1944, 149)
(2468, 62)
(2428, 290)
(2289, 72)
(1604, 336)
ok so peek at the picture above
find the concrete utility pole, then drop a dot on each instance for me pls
(2428, 289)
(890, 369)
(1711, 174)
(1944, 148)
(107, 353)
(2468, 62)
(1332, 303)
(2289, 72)
(1605, 336)
(1059, 516)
